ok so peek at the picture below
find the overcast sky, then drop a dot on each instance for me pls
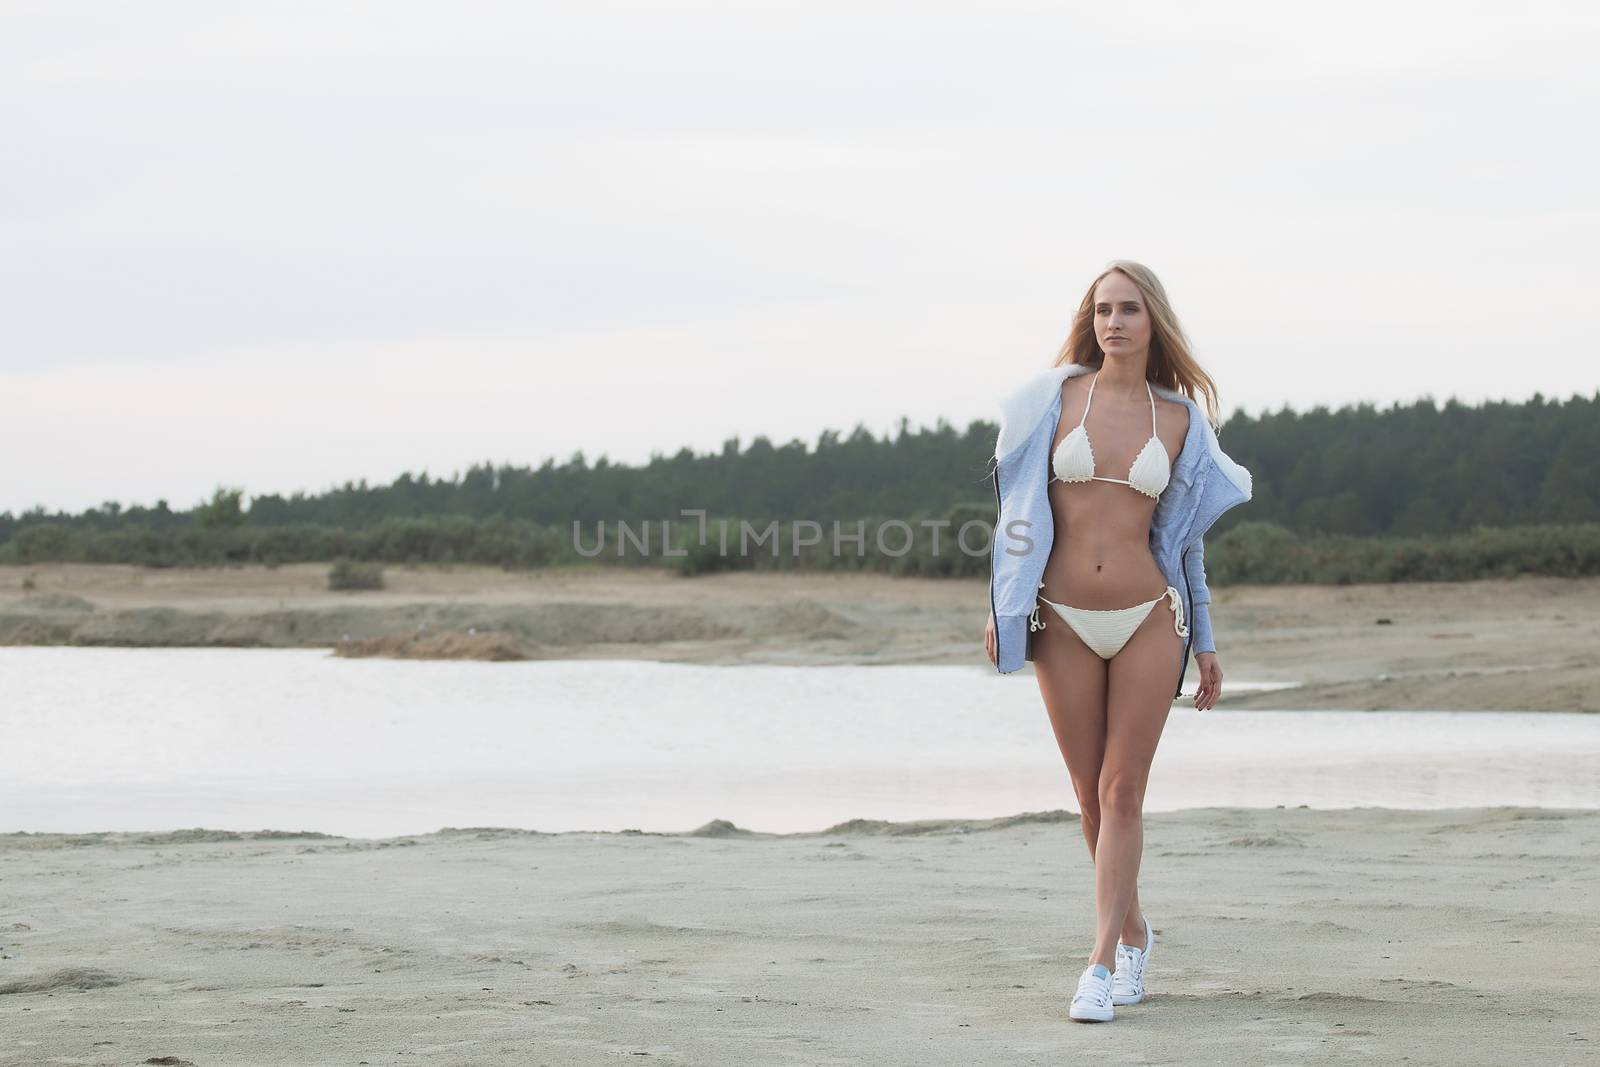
(278, 246)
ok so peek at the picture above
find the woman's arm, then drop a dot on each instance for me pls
(1209, 689)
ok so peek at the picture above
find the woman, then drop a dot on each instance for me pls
(1107, 476)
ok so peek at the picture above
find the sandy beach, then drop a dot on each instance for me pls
(1525, 643)
(1283, 937)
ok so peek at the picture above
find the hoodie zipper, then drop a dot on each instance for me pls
(1188, 596)
(992, 544)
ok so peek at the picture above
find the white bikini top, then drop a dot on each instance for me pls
(1074, 458)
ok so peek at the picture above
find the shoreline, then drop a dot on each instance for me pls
(727, 830)
(1521, 643)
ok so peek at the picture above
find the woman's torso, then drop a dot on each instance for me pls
(1100, 555)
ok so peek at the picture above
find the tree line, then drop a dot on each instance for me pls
(1410, 474)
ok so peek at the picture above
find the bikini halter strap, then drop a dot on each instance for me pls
(1095, 377)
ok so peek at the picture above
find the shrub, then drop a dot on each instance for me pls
(353, 574)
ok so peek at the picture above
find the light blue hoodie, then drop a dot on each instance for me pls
(1204, 484)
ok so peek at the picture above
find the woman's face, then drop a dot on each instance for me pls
(1121, 321)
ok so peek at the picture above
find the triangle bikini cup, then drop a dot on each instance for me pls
(1073, 460)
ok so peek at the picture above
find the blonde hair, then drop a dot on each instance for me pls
(1171, 362)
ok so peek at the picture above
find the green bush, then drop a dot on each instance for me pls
(353, 574)
(1256, 552)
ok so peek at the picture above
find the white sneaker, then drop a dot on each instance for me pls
(1092, 1002)
(1127, 984)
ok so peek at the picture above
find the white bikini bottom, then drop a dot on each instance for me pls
(1107, 631)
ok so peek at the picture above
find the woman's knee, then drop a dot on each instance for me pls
(1088, 794)
(1121, 794)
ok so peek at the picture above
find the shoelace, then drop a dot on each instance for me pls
(1128, 965)
(1095, 991)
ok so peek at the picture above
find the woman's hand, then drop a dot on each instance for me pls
(989, 642)
(1210, 687)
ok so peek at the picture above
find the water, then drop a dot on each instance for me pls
(245, 739)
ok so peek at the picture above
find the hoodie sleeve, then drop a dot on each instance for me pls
(1199, 598)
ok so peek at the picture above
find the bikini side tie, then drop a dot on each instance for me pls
(1034, 622)
(1177, 611)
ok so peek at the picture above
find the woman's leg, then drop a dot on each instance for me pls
(1072, 681)
(1139, 685)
